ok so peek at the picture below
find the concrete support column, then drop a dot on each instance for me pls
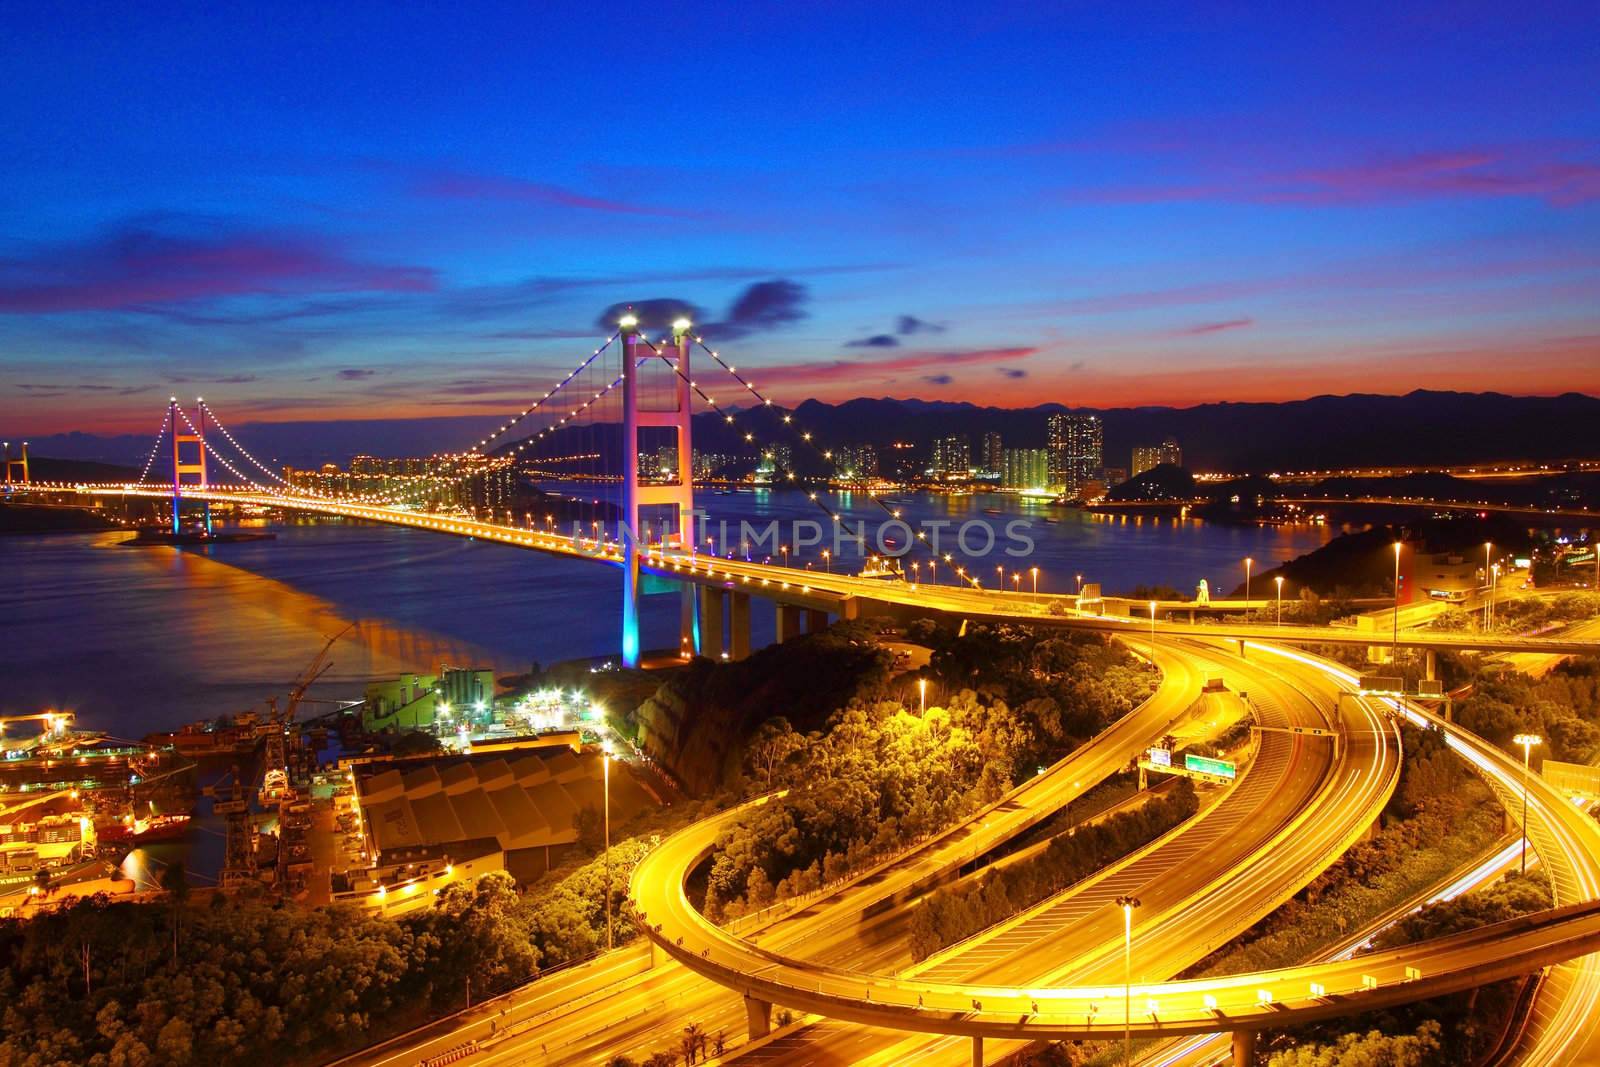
(688, 621)
(658, 955)
(816, 620)
(788, 621)
(758, 1013)
(1244, 1048)
(739, 625)
(1144, 779)
(977, 1052)
(1430, 663)
(711, 621)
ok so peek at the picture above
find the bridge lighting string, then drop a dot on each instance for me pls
(166, 417)
(220, 458)
(805, 437)
(414, 491)
(246, 453)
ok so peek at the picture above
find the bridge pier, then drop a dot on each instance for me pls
(739, 625)
(1244, 1048)
(1430, 664)
(788, 621)
(758, 1014)
(816, 620)
(688, 620)
(977, 1052)
(710, 621)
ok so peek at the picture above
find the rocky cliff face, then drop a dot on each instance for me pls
(696, 722)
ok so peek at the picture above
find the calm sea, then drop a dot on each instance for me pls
(139, 639)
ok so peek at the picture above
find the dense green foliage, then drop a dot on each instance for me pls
(1372, 1049)
(1563, 707)
(271, 983)
(882, 774)
(957, 912)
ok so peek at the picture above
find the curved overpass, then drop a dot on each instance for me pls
(1252, 1001)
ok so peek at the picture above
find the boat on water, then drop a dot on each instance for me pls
(225, 736)
(69, 789)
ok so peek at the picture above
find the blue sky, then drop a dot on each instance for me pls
(340, 211)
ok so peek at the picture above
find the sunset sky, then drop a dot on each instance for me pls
(351, 211)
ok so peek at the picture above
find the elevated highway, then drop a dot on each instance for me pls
(1242, 1003)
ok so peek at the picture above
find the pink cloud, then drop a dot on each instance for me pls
(841, 370)
(1213, 327)
(460, 186)
(1560, 174)
(139, 266)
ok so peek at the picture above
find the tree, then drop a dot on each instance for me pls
(175, 881)
(1372, 1049)
(692, 1042)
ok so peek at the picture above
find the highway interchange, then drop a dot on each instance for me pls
(1205, 882)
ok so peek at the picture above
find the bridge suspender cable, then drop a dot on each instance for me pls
(805, 438)
(166, 417)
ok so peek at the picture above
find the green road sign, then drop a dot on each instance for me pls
(1206, 765)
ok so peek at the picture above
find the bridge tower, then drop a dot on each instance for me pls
(16, 464)
(678, 493)
(179, 467)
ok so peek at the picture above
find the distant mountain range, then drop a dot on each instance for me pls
(1419, 428)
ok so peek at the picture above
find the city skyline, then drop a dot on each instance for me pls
(1074, 229)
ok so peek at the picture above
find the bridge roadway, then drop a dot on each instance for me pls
(1029, 1011)
(644, 1010)
(850, 595)
(1294, 812)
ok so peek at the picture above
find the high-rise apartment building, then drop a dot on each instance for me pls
(1025, 468)
(952, 456)
(1076, 444)
(1148, 456)
(993, 453)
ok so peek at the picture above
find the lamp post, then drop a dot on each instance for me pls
(1394, 650)
(1080, 585)
(922, 695)
(1488, 580)
(1000, 576)
(605, 760)
(1494, 582)
(785, 550)
(1527, 741)
(1127, 904)
(1035, 572)
(1016, 580)
(827, 561)
(1279, 581)
(1248, 563)
(1152, 627)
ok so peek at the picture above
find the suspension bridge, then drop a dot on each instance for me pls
(619, 429)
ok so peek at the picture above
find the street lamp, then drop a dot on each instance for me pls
(1248, 563)
(605, 760)
(1016, 580)
(1527, 741)
(827, 560)
(1127, 904)
(1152, 627)
(1488, 580)
(785, 550)
(1279, 581)
(922, 695)
(1035, 572)
(1080, 585)
(1394, 651)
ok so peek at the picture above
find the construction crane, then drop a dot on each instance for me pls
(238, 862)
(275, 762)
